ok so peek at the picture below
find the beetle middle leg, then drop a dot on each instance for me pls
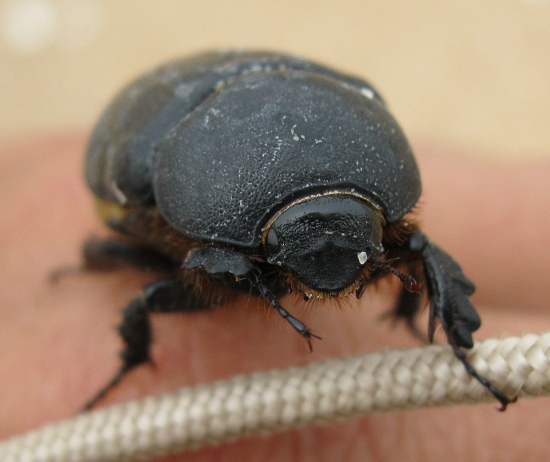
(410, 297)
(110, 254)
(406, 309)
(163, 296)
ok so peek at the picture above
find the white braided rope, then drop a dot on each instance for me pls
(281, 399)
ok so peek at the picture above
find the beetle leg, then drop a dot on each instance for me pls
(111, 254)
(107, 254)
(449, 290)
(504, 400)
(408, 303)
(406, 309)
(255, 279)
(164, 296)
(361, 290)
(218, 260)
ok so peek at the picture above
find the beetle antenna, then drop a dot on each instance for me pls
(256, 280)
(410, 283)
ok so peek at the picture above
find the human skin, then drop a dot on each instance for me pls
(59, 344)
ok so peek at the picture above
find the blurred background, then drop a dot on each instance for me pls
(472, 72)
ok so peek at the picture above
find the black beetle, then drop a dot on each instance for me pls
(266, 173)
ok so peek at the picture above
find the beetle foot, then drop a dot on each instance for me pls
(498, 394)
(106, 388)
(298, 325)
(256, 280)
(308, 335)
(55, 275)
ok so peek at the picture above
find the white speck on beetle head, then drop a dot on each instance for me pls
(367, 92)
(362, 257)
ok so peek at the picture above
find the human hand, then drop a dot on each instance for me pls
(59, 342)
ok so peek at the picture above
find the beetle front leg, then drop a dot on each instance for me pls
(217, 260)
(255, 279)
(449, 290)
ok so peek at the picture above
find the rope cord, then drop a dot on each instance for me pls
(282, 399)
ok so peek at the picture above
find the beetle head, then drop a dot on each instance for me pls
(325, 240)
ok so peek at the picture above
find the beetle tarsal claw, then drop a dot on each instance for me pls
(499, 395)
(57, 274)
(308, 335)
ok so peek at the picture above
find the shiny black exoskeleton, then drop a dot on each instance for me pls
(264, 173)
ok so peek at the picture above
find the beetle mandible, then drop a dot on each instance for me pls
(265, 173)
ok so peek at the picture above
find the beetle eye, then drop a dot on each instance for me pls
(272, 243)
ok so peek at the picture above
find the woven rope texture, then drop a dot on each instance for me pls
(282, 399)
